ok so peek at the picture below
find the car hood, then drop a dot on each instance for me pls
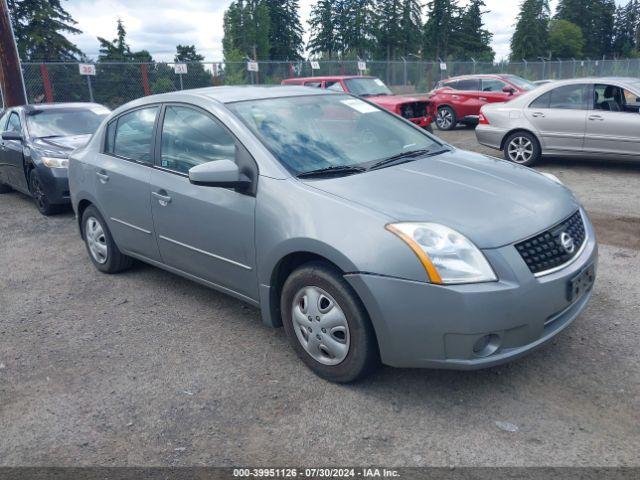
(61, 145)
(490, 201)
(390, 101)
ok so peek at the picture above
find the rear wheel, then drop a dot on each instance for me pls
(446, 118)
(327, 324)
(40, 198)
(522, 148)
(103, 251)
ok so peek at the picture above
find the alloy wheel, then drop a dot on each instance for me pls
(38, 195)
(520, 150)
(96, 240)
(444, 119)
(320, 325)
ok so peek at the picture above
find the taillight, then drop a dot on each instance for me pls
(482, 120)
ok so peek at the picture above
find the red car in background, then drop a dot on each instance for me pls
(459, 99)
(373, 89)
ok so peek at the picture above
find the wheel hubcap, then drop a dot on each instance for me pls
(444, 118)
(96, 240)
(320, 325)
(520, 150)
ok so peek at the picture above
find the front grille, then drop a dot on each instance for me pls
(545, 251)
(413, 109)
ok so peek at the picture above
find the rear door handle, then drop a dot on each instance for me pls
(537, 115)
(103, 177)
(163, 198)
(596, 117)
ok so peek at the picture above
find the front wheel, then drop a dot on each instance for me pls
(446, 118)
(522, 148)
(103, 251)
(40, 198)
(327, 324)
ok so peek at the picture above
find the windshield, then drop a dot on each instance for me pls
(521, 83)
(65, 122)
(326, 131)
(367, 87)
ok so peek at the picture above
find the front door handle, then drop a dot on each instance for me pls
(596, 117)
(163, 198)
(537, 115)
(484, 99)
(103, 177)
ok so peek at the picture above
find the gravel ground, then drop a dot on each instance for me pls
(145, 368)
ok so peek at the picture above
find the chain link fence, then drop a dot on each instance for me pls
(116, 83)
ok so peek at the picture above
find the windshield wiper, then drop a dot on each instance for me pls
(406, 157)
(333, 170)
(51, 136)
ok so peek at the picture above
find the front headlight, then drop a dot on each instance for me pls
(447, 256)
(55, 162)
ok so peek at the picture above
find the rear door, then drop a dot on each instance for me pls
(466, 98)
(12, 153)
(560, 117)
(207, 232)
(613, 124)
(121, 177)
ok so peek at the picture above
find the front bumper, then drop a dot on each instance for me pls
(55, 184)
(423, 122)
(425, 325)
(490, 136)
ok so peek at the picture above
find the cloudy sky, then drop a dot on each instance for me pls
(159, 25)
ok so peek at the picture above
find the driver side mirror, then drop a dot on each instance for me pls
(509, 90)
(12, 135)
(219, 173)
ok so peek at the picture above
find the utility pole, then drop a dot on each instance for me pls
(11, 81)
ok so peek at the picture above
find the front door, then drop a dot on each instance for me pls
(207, 232)
(492, 91)
(613, 126)
(121, 177)
(560, 116)
(13, 157)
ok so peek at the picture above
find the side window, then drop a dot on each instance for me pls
(336, 86)
(543, 101)
(452, 85)
(14, 123)
(569, 97)
(191, 137)
(313, 84)
(469, 84)
(134, 135)
(612, 98)
(3, 121)
(492, 85)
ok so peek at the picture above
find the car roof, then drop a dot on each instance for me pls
(54, 106)
(479, 75)
(325, 78)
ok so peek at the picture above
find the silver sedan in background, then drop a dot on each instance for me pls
(587, 117)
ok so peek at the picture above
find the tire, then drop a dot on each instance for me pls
(338, 343)
(44, 206)
(446, 119)
(522, 148)
(5, 188)
(102, 250)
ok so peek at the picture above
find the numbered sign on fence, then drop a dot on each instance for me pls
(443, 66)
(362, 66)
(180, 68)
(87, 69)
(252, 66)
(315, 65)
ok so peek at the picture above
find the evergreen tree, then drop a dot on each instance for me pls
(246, 29)
(186, 54)
(595, 18)
(388, 34)
(530, 39)
(472, 39)
(39, 27)
(285, 30)
(323, 39)
(356, 22)
(441, 28)
(410, 26)
(626, 31)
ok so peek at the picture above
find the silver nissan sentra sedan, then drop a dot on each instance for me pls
(368, 239)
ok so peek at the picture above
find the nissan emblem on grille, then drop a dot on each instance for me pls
(567, 242)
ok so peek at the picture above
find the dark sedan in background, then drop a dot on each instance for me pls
(35, 145)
